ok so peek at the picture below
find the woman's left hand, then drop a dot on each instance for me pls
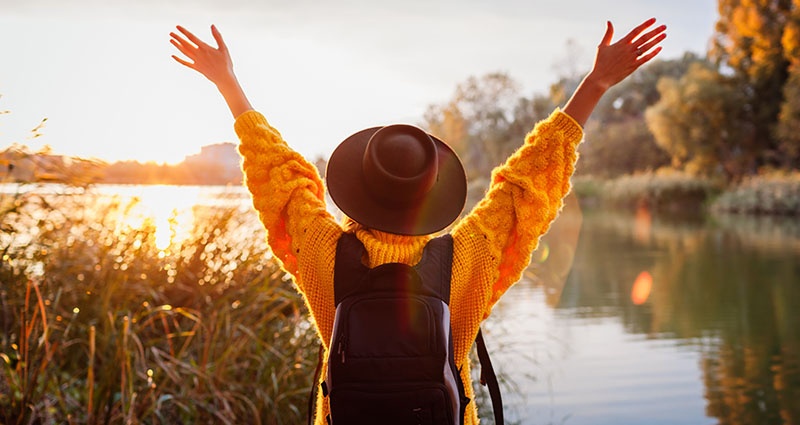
(213, 62)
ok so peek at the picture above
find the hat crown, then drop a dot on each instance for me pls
(400, 164)
(397, 179)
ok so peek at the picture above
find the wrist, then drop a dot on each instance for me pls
(595, 83)
(226, 82)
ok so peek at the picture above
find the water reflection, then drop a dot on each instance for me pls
(644, 295)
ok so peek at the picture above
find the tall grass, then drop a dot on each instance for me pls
(99, 325)
(665, 190)
(769, 193)
(775, 193)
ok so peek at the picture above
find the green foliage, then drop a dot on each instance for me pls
(102, 326)
(777, 194)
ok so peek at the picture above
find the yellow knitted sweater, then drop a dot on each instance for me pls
(492, 244)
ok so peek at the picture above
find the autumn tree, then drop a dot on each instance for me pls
(477, 121)
(788, 128)
(699, 122)
(748, 45)
(618, 140)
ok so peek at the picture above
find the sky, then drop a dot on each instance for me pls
(100, 71)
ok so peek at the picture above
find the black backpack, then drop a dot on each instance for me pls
(391, 356)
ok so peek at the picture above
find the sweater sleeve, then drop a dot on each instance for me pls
(286, 189)
(525, 196)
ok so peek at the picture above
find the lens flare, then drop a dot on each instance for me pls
(641, 288)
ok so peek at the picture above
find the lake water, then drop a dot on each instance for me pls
(634, 319)
(626, 318)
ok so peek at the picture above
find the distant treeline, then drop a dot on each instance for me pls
(731, 114)
(133, 172)
(215, 165)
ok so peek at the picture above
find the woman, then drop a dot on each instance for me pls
(394, 207)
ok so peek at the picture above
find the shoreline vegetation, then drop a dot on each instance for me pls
(669, 191)
(101, 325)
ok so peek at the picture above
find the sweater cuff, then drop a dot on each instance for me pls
(247, 121)
(565, 123)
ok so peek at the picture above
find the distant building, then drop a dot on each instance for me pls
(221, 159)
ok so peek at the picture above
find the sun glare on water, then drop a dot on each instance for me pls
(171, 210)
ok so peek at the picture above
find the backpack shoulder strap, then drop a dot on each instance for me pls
(435, 267)
(489, 379)
(348, 270)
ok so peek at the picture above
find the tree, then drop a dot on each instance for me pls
(698, 121)
(477, 120)
(788, 128)
(748, 45)
(617, 139)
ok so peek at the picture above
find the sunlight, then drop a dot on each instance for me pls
(170, 210)
(641, 288)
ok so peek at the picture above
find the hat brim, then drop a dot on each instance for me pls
(435, 211)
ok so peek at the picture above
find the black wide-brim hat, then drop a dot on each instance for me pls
(397, 179)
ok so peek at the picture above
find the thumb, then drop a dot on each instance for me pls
(218, 38)
(608, 35)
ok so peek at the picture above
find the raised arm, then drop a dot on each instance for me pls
(613, 63)
(214, 63)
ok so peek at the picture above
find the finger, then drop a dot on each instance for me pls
(180, 40)
(184, 62)
(187, 45)
(638, 30)
(193, 38)
(218, 37)
(646, 58)
(608, 35)
(650, 35)
(652, 43)
(186, 50)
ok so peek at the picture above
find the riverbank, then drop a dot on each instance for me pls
(680, 193)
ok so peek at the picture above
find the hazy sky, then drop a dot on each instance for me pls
(101, 72)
